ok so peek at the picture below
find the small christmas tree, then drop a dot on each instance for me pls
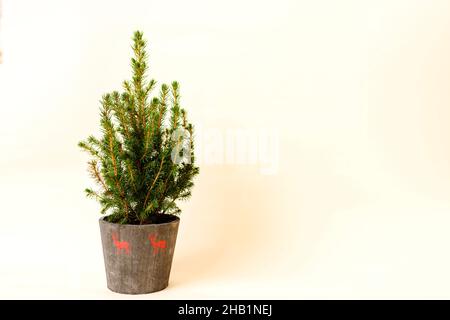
(144, 162)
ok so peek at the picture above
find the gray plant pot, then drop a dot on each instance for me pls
(138, 258)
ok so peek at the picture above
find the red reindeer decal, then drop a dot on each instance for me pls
(120, 245)
(161, 244)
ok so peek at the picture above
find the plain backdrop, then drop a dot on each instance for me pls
(358, 92)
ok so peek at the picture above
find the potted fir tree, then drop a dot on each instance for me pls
(142, 164)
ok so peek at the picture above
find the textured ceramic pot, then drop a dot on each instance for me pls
(138, 258)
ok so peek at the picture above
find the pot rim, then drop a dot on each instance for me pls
(177, 220)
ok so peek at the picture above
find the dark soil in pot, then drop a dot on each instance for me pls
(153, 219)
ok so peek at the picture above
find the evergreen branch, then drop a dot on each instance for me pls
(153, 183)
(95, 174)
(120, 114)
(150, 86)
(92, 194)
(111, 150)
(183, 117)
(162, 103)
(110, 135)
(130, 172)
(149, 132)
(175, 105)
(86, 147)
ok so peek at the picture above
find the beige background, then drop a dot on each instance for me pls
(358, 91)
